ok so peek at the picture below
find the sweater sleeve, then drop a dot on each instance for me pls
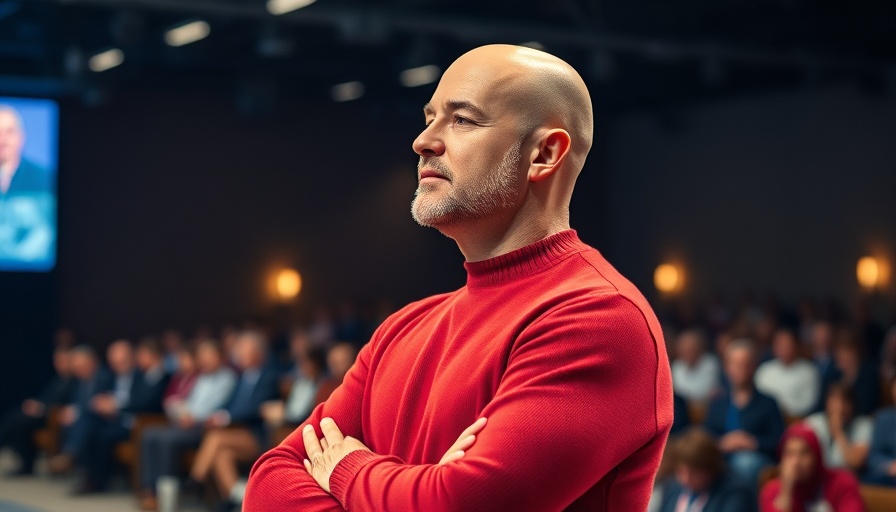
(279, 481)
(577, 398)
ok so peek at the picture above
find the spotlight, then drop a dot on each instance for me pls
(187, 33)
(668, 278)
(347, 91)
(278, 7)
(418, 76)
(106, 60)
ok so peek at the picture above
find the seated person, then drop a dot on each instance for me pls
(137, 385)
(888, 357)
(240, 435)
(857, 373)
(821, 344)
(311, 362)
(695, 371)
(700, 478)
(161, 447)
(804, 483)
(792, 381)
(340, 359)
(90, 380)
(747, 422)
(882, 454)
(681, 417)
(845, 438)
(182, 380)
(18, 426)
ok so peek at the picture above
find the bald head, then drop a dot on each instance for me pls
(542, 89)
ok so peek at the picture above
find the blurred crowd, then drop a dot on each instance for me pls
(778, 410)
(195, 412)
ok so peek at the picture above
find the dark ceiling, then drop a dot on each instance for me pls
(633, 52)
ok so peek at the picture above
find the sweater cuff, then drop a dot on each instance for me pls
(347, 469)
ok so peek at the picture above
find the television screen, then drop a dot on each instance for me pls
(28, 159)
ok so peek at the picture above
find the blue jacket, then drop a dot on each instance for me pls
(761, 418)
(883, 443)
(727, 495)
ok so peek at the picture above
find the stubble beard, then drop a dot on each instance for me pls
(476, 200)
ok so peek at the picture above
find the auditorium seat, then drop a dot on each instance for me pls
(878, 498)
(697, 412)
(128, 452)
(49, 438)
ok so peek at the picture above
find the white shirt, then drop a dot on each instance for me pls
(795, 387)
(696, 383)
(210, 392)
(859, 431)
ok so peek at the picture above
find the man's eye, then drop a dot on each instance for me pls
(461, 120)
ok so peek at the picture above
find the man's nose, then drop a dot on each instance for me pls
(428, 143)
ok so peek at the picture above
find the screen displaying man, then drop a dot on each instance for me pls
(27, 196)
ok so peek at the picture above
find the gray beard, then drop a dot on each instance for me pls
(476, 200)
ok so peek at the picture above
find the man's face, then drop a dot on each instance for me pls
(121, 358)
(11, 138)
(785, 347)
(471, 158)
(739, 366)
(83, 366)
(692, 478)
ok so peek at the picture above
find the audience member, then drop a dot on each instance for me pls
(882, 455)
(821, 344)
(804, 483)
(888, 356)
(789, 379)
(311, 362)
(747, 421)
(162, 447)
(182, 381)
(845, 438)
(237, 433)
(91, 379)
(857, 373)
(681, 418)
(701, 480)
(695, 371)
(172, 342)
(18, 426)
(340, 359)
(137, 386)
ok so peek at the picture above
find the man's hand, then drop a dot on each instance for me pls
(463, 443)
(325, 454)
(218, 419)
(104, 405)
(892, 469)
(736, 441)
(33, 408)
(68, 415)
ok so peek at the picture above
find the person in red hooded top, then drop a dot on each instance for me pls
(804, 483)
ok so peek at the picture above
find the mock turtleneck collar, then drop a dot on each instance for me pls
(524, 261)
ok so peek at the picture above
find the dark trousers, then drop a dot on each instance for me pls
(161, 450)
(17, 432)
(98, 456)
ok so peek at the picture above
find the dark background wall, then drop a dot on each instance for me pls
(175, 209)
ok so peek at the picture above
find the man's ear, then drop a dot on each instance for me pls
(550, 152)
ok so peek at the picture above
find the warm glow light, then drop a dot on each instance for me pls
(289, 283)
(415, 77)
(668, 278)
(106, 60)
(278, 7)
(868, 272)
(187, 33)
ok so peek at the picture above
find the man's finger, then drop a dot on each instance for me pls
(312, 446)
(323, 444)
(475, 428)
(451, 457)
(331, 431)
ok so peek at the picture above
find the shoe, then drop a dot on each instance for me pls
(59, 464)
(84, 488)
(148, 502)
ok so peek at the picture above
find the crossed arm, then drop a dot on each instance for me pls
(567, 389)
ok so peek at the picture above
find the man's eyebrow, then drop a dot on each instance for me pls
(457, 105)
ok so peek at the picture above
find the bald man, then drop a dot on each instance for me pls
(541, 385)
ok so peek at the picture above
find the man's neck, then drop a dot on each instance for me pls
(488, 238)
(7, 171)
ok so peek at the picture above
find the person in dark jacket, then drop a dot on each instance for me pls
(137, 387)
(700, 478)
(882, 454)
(747, 422)
(18, 426)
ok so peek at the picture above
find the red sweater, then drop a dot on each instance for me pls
(562, 355)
